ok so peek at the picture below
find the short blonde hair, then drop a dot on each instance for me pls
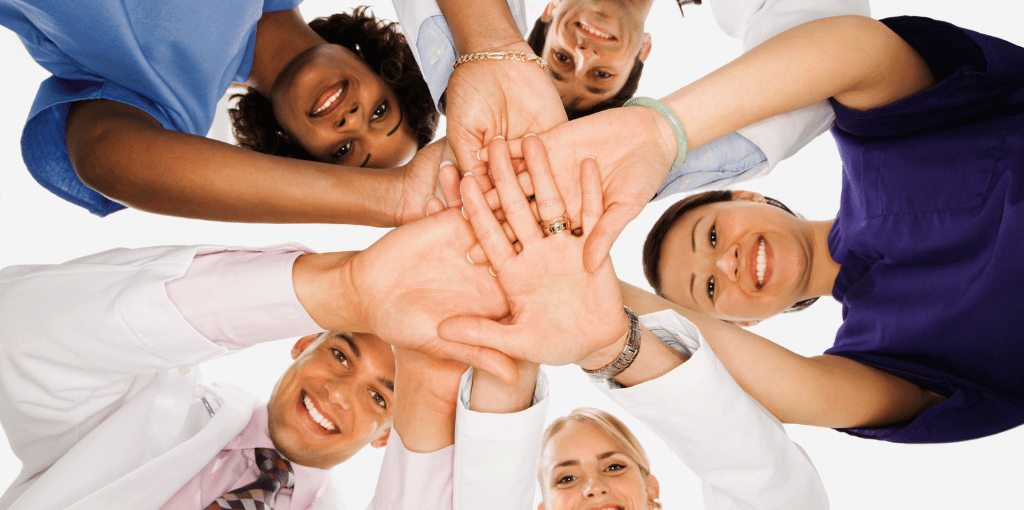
(612, 427)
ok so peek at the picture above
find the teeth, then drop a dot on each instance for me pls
(330, 102)
(594, 31)
(317, 417)
(762, 263)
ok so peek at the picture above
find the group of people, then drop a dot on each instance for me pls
(430, 341)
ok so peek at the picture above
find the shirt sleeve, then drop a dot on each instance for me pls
(739, 450)
(496, 455)
(413, 481)
(239, 297)
(431, 40)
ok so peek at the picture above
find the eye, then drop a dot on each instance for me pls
(340, 356)
(563, 58)
(712, 236)
(711, 288)
(343, 151)
(381, 111)
(379, 399)
(604, 75)
(615, 467)
(565, 479)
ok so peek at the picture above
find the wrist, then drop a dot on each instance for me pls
(667, 145)
(324, 286)
(607, 355)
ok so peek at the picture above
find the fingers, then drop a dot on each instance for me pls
(434, 205)
(483, 358)
(465, 151)
(495, 243)
(515, 149)
(513, 203)
(448, 179)
(548, 200)
(602, 236)
(481, 333)
(593, 197)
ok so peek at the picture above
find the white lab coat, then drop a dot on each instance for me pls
(96, 396)
(739, 450)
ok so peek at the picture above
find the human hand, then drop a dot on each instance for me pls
(560, 313)
(504, 98)
(425, 187)
(632, 168)
(417, 275)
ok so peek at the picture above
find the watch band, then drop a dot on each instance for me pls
(629, 352)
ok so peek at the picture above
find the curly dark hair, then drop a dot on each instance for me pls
(380, 44)
(536, 41)
(652, 246)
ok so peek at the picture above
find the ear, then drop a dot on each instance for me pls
(653, 488)
(745, 324)
(645, 47)
(540, 506)
(751, 196)
(381, 441)
(549, 11)
(302, 344)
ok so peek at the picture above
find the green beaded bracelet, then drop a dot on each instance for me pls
(673, 121)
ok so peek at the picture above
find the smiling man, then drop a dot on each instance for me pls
(101, 404)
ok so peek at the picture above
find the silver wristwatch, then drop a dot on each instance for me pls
(628, 354)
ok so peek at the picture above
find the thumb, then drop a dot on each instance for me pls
(604, 234)
(465, 150)
(483, 358)
(482, 334)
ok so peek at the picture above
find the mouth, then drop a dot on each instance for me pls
(591, 32)
(607, 506)
(329, 100)
(323, 424)
(760, 268)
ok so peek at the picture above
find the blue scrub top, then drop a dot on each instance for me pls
(173, 60)
(930, 236)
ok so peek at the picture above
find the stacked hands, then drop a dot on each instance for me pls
(528, 278)
(522, 294)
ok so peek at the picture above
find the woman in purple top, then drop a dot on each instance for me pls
(924, 253)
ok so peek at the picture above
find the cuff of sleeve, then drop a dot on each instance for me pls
(238, 297)
(411, 480)
(501, 427)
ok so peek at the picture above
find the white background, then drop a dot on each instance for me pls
(36, 227)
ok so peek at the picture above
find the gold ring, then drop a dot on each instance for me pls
(556, 225)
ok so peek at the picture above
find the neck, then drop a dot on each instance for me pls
(281, 36)
(824, 270)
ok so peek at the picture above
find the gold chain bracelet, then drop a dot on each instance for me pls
(518, 56)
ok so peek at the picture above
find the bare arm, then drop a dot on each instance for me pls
(129, 157)
(825, 391)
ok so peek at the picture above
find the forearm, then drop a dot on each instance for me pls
(426, 393)
(824, 391)
(857, 60)
(127, 156)
(325, 288)
(484, 25)
(492, 395)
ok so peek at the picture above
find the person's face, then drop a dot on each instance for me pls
(340, 111)
(592, 45)
(739, 260)
(334, 399)
(584, 469)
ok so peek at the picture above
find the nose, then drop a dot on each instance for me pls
(584, 54)
(729, 264)
(338, 394)
(595, 487)
(353, 117)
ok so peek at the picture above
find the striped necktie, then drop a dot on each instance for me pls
(275, 474)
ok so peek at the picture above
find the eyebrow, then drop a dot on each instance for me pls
(574, 462)
(597, 90)
(388, 383)
(400, 116)
(556, 75)
(693, 274)
(350, 342)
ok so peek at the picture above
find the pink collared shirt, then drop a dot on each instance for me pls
(238, 298)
